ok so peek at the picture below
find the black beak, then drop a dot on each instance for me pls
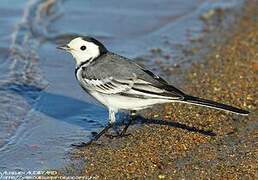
(64, 47)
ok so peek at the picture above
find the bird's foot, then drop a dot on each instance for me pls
(84, 144)
(124, 134)
(95, 135)
(117, 135)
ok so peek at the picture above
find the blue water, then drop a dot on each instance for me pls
(43, 109)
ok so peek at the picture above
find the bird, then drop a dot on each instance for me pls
(119, 83)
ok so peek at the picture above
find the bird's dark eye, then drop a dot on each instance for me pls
(83, 48)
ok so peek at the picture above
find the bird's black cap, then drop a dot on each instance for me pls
(102, 48)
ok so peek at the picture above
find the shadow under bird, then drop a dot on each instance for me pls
(120, 84)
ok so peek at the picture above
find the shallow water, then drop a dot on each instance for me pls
(43, 109)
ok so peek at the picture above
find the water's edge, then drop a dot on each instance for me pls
(44, 108)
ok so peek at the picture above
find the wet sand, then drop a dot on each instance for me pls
(193, 142)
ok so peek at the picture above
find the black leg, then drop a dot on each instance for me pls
(132, 118)
(126, 127)
(83, 144)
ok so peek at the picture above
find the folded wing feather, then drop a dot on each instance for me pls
(133, 86)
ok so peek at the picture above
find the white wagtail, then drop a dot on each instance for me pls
(120, 84)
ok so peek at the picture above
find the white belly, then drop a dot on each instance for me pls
(117, 102)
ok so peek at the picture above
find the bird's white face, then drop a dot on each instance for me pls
(82, 50)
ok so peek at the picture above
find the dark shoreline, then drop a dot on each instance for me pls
(227, 74)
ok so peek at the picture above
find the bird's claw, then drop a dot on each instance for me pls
(83, 144)
(124, 135)
(118, 135)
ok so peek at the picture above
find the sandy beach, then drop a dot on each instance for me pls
(188, 142)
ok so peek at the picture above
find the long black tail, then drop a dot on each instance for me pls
(213, 104)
